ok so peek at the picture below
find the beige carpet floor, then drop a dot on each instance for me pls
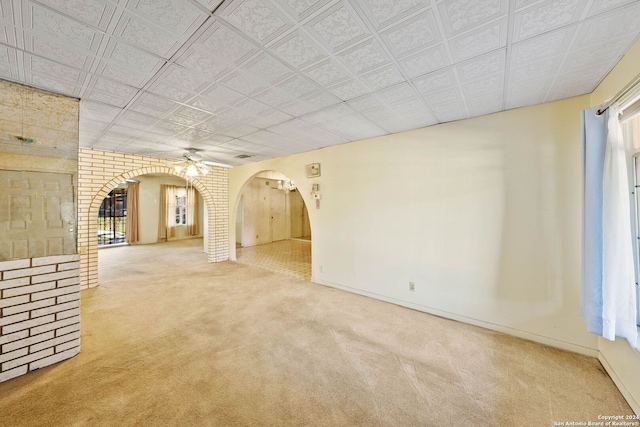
(170, 340)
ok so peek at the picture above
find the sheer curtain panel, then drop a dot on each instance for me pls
(193, 212)
(133, 191)
(608, 277)
(166, 218)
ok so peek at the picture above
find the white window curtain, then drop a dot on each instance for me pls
(608, 278)
(193, 212)
(166, 220)
(132, 230)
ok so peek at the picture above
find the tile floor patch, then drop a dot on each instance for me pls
(290, 257)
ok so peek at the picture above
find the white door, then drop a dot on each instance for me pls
(37, 214)
(278, 205)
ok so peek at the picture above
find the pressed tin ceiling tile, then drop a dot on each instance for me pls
(337, 27)
(312, 72)
(545, 17)
(179, 16)
(481, 40)
(351, 89)
(267, 68)
(385, 12)
(414, 34)
(93, 12)
(58, 52)
(145, 35)
(48, 24)
(226, 43)
(459, 16)
(184, 78)
(298, 50)
(364, 57)
(327, 73)
(258, 19)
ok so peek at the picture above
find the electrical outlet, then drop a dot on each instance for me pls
(412, 286)
(321, 269)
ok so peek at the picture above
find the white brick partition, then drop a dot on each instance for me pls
(40, 313)
(99, 172)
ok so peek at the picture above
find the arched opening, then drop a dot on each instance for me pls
(272, 226)
(183, 208)
(208, 215)
(171, 217)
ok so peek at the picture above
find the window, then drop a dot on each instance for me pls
(181, 207)
(112, 218)
(631, 132)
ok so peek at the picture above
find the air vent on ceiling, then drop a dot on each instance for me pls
(242, 156)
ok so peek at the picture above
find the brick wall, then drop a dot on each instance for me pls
(40, 321)
(99, 172)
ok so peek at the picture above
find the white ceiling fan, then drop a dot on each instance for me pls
(193, 163)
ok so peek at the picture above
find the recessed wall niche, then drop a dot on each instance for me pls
(38, 172)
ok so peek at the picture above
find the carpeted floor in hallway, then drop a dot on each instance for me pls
(170, 340)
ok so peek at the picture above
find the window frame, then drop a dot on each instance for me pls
(112, 217)
(632, 145)
(635, 222)
(180, 208)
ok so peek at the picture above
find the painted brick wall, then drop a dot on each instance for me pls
(40, 313)
(99, 172)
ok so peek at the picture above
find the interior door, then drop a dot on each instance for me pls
(278, 205)
(37, 214)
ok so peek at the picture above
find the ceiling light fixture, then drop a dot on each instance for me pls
(286, 185)
(194, 165)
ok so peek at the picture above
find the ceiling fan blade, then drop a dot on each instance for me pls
(222, 165)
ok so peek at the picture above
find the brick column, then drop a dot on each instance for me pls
(40, 306)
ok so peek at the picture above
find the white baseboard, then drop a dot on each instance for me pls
(564, 345)
(635, 405)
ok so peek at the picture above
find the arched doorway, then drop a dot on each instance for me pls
(272, 226)
(168, 216)
(183, 211)
(214, 216)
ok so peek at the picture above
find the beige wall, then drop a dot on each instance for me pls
(256, 227)
(620, 360)
(482, 214)
(299, 216)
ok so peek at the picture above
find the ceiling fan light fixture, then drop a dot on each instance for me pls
(192, 170)
(193, 164)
